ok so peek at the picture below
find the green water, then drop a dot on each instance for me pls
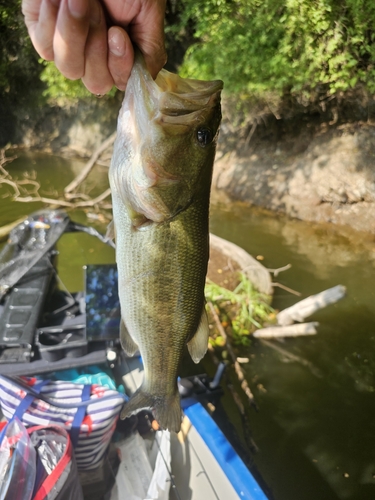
(315, 428)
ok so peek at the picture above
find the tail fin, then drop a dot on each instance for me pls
(167, 411)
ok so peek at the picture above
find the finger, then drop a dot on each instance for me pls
(144, 21)
(72, 28)
(147, 32)
(97, 78)
(40, 19)
(30, 10)
(120, 56)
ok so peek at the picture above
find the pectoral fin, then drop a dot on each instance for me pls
(127, 343)
(110, 235)
(198, 344)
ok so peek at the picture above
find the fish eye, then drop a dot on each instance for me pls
(204, 137)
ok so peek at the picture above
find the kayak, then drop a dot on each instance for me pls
(44, 329)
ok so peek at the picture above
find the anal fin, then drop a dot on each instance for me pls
(198, 344)
(127, 343)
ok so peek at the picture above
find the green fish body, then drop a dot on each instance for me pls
(160, 179)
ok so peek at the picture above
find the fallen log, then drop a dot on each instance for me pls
(306, 307)
(256, 273)
(273, 332)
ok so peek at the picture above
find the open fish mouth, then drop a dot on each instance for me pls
(170, 98)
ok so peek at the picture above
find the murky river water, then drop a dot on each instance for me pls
(316, 426)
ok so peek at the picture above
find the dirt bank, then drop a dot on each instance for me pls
(321, 173)
(67, 127)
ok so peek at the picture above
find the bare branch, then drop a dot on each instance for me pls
(279, 269)
(12, 184)
(293, 357)
(64, 203)
(48, 201)
(89, 165)
(244, 385)
(287, 289)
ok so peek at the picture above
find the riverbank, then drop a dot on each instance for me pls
(320, 172)
(314, 171)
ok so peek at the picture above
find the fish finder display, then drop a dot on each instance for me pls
(102, 303)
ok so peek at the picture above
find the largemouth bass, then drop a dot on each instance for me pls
(160, 178)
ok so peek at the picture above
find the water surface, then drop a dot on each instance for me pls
(315, 428)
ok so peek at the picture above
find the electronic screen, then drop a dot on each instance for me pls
(102, 303)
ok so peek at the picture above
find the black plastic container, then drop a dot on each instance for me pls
(54, 344)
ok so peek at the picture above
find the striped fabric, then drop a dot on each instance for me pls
(99, 420)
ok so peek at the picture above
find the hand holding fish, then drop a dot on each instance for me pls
(93, 39)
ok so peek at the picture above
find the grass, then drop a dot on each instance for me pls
(241, 311)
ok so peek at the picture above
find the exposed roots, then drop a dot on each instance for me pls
(27, 189)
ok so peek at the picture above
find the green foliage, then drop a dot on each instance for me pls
(58, 86)
(282, 45)
(19, 67)
(243, 309)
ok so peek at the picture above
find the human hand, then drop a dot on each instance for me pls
(93, 39)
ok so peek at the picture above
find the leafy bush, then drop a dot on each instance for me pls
(59, 86)
(282, 45)
(19, 68)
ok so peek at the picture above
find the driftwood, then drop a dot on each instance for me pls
(279, 269)
(306, 307)
(88, 167)
(27, 189)
(287, 289)
(63, 203)
(286, 331)
(255, 272)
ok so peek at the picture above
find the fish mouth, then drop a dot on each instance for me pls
(180, 97)
(169, 95)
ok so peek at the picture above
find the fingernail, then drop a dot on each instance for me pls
(116, 44)
(78, 8)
